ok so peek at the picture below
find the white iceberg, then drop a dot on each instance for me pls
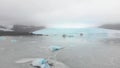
(43, 63)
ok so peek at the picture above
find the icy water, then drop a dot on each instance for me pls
(96, 50)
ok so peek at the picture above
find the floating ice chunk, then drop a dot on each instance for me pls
(25, 60)
(46, 65)
(43, 63)
(13, 41)
(55, 48)
(2, 38)
(37, 62)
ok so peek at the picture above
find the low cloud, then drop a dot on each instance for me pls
(47, 12)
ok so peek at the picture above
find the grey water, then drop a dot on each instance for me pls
(94, 50)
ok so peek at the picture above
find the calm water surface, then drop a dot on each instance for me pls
(79, 51)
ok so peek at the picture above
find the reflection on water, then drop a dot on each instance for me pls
(95, 50)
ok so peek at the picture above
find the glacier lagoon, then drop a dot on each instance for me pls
(95, 49)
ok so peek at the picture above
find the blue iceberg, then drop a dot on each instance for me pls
(55, 48)
(2, 38)
(42, 63)
(13, 41)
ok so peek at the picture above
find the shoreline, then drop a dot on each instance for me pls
(10, 33)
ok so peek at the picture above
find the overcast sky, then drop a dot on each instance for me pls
(59, 12)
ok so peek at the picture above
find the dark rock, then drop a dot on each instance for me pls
(110, 26)
(2, 27)
(24, 28)
(19, 30)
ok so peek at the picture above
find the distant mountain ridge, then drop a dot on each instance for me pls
(110, 26)
(24, 28)
(2, 27)
(19, 30)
